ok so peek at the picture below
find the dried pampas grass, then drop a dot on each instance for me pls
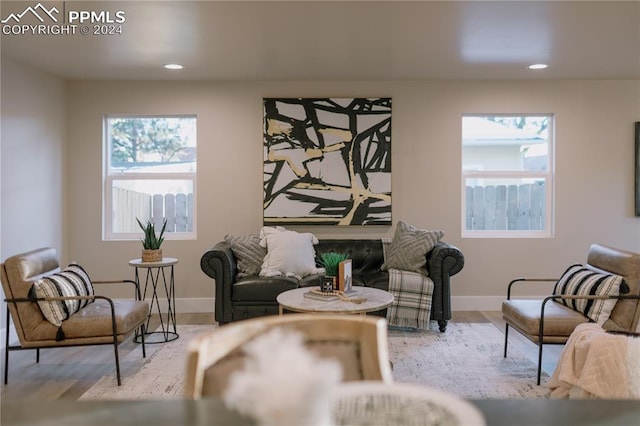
(283, 383)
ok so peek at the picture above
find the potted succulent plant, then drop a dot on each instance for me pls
(151, 242)
(330, 261)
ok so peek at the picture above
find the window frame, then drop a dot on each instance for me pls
(548, 176)
(109, 179)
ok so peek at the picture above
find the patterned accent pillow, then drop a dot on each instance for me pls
(248, 253)
(73, 281)
(578, 280)
(409, 248)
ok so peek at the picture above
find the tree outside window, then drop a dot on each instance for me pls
(151, 170)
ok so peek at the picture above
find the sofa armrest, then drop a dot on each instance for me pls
(443, 261)
(218, 263)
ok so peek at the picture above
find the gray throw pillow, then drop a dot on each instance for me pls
(409, 248)
(248, 253)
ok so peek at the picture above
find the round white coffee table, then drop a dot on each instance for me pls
(294, 300)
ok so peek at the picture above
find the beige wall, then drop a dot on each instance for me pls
(40, 139)
(594, 165)
(32, 149)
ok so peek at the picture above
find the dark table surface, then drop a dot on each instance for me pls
(533, 412)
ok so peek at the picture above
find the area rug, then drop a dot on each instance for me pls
(158, 376)
(466, 360)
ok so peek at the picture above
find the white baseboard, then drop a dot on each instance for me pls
(194, 305)
(187, 305)
(477, 303)
(206, 304)
(458, 303)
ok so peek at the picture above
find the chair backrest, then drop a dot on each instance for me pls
(18, 273)
(359, 344)
(626, 313)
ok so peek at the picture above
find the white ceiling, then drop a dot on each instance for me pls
(341, 40)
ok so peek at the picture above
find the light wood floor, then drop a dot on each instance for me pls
(69, 372)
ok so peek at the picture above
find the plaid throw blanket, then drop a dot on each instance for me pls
(412, 294)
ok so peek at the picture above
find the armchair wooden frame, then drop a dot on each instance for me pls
(369, 333)
(540, 341)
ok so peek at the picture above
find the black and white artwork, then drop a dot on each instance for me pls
(327, 161)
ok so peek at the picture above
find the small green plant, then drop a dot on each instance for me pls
(330, 261)
(150, 240)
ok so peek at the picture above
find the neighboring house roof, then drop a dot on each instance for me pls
(480, 132)
(158, 167)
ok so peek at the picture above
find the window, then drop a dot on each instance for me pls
(507, 175)
(150, 174)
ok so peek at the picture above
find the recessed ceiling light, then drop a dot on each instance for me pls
(537, 66)
(173, 66)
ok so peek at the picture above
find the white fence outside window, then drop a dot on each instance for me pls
(129, 205)
(505, 207)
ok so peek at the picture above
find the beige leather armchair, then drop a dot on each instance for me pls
(103, 322)
(546, 321)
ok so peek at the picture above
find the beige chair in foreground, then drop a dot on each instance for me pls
(547, 321)
(103, 321)
(358, 343)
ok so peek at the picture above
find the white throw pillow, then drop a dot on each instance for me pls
(288, 253)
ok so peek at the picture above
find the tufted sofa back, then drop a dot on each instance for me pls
(366, 255)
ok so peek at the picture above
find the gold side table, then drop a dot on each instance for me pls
(155, 279)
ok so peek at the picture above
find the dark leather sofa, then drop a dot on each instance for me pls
(254, 296)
